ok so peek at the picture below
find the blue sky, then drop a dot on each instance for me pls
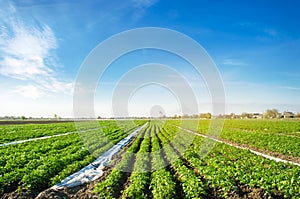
(254, 44)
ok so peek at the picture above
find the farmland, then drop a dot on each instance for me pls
(36, 165)
(163, 161)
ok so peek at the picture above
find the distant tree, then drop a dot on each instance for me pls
(246, 115)
(185, 116)
(205, 115)
(232, 115)
(208, 115)
(57, 117)
(271, 113)
(220, 116)
(23, 117)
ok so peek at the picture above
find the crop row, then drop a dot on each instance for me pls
(99, 141)
(267, 126)
(39, 164)
(227, 169)
(139, 178)
(286, 145)
(110, 187)
(289, 146)
(282, 127)
(10, 133)
(176, 168)
(142, 183)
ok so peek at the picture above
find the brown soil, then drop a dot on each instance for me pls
(245, 192)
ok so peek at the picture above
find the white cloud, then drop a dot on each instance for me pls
(27, 53)
(141, 7)
(143, 4)
(29, 91)
(271, 32)
(290, 88)
(233, 62)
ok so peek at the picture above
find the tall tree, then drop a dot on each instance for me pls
(271, 113)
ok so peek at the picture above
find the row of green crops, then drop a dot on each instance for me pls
(39, 164)
(110, 187)
(227, 169)
(289, 146)
(268, 126)
(9, 133)
(111, 133)
(141, 183)
(139, 179)
(273, 142)
(283, 127)
(224, 171)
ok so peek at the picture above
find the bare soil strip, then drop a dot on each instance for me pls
(253, 150)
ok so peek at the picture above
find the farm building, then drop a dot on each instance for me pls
(287, 114)
(257, 116)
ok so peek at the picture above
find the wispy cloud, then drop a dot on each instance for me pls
(25, 51)
(28, 54)
(271, 32)
(143, 4)
(29, 91)
(245, 24)
(290, 88)
(263, 33)
(233, 62)
(268, 34)
(141, 7)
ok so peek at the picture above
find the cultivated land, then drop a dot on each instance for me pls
(165, 161)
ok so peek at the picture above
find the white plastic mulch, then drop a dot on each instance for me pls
(42, 138)
(94, 170)
(244, 148)
(33, 139)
